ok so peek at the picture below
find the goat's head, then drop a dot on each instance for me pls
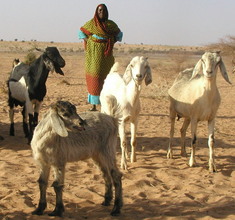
(64, 117)
(15, 62)
(138, 69)
(209, 64)
(53, 60)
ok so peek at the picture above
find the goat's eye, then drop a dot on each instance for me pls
(202, 60)
(66, 115)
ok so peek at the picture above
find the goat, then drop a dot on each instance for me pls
(195, 97)
(63, 136)
(120, 96)
(15, 62)
(27, 87)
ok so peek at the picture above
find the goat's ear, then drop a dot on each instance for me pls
(58, 125)
(49, 64)
(148, 77)
(197, 69)
(128, 74)
(224, 72)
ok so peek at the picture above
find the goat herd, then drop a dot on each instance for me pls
(63, 136)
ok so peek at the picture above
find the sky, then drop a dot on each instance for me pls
(154, 22)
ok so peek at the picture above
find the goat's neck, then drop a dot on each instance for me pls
(40, 75)
(210, 84)
(210, 89)
(133, 92)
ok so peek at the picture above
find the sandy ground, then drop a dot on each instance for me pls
(154, 187)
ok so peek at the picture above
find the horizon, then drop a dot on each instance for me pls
(162, 22)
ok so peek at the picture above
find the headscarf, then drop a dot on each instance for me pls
(102, 24)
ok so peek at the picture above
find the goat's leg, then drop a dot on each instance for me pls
(211, 140)
(31, 128)
(30, 110)
(172, 121)
(104, 165)
(58, 185)
(117, 181)
(25, 122)
(43, 181)
(123, 146)
(37, 107)
(35, 119)
(133, 140)
(192, 161)
(108, 196)
(11, 116)
(111, 175)
(183, 134)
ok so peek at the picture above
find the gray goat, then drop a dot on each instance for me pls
(63, 136)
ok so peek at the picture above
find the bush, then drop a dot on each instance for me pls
(30, 57)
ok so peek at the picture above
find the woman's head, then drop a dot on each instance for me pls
(101, 12)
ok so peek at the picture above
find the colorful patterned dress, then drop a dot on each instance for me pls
(99, 54)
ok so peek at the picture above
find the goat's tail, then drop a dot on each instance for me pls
(112, 107)
(114, 67)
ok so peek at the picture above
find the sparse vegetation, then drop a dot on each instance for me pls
(180, 60)
(66, 82)
(3, 88)
(30, 57)
(227, 48)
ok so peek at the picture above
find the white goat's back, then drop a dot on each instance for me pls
(115, 67)
(183, 89)
(113, 90)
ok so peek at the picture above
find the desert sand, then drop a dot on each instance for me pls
(154, 187)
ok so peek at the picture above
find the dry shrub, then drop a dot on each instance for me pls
(65, 82)
(227, 48)
(3, 88)
(30, 57)
(180, 60)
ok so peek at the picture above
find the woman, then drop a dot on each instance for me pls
(99, 35)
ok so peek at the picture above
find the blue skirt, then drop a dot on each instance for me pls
(94, 100)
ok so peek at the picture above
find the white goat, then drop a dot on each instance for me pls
(120, 98)
(195, 97)
(63, 136)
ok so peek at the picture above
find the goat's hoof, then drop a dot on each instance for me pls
(37, 212)
(169, 155)
(40, 209)
(124, 166)
(107, 201)
(183, 154)
(115, 212)
(192, 163)
(212, 169)
(58, 211)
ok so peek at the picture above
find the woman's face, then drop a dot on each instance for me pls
(101, 12)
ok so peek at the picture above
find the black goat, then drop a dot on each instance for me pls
(27, 87)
